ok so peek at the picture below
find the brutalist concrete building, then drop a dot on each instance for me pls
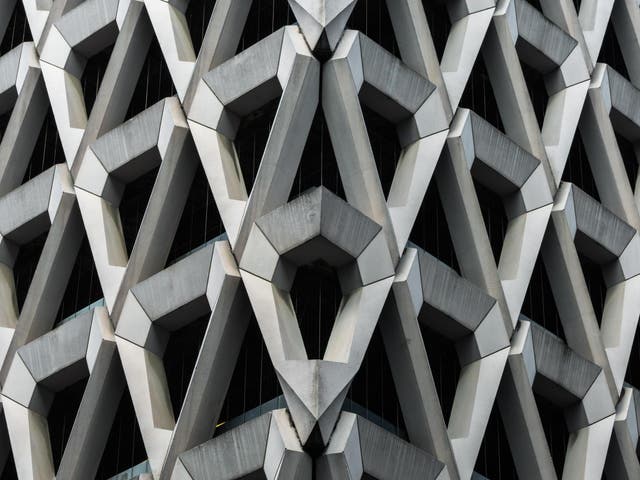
(319, 239)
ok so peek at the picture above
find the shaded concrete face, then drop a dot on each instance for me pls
(453, 296)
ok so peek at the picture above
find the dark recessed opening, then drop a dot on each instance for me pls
(154, 82)
(539, 304)
(197, 15)
(180, 359)
(374, 390)
(577, 170)
(93, 75)
(555, 431)
(318, 165)
(439, 23)
(4, 121)
(254, 379)
(200, 221)
(431, 232)
(17, 30)
(133, 205)
(495, 218)
(629, 159)
(47, 150)
(479, 95)
(9, 472)
(25, 266)
(611, 54)
(124, 448)
(385, 146)
(372, 18)
(494, 458)
(61, 417)
(251, 140)
(595, 284)
(537, 91)
(83, 287)
(265, 17)
(536, 4)
(445, 367)
(632, 375)
(316, 297)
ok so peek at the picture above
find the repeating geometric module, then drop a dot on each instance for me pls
(419, 219)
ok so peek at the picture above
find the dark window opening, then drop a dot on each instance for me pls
(595, 284)
(318, 165)
(251, 140)
(495, 218)
(93, 75)
(611, 54)
(47, 151)
(200, 221)
(632, 375)
(17, 30)
(479, 95)
(385, 146)
(372, 18)
(25, 266)
(536, 4)
(180, 359)
(578, 171)
(316, 297)
(374, 390)
(61, 417)
(628, 154)
(537, 91)
(555, 431)
(133, 206)
(539, 303)
(445, 367)
(198, 14)
(265, 17)
(9, 472)
(124, 448)
(83, 287)
(154, 82)
(439, 23)
(254, 379)
(4, 121)
(431, 232)
(494, 458)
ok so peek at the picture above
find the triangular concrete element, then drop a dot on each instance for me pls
(315, 391)
(322, 22)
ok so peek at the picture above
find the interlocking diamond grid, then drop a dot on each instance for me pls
(319, 239)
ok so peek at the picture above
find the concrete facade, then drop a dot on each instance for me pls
(509, 363)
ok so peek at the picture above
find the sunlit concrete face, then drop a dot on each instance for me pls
(508, 362)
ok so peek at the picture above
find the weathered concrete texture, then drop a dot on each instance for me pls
(253, 72)
(265, 447)
(453, 306)
(317, 68)
(117, 148)
(625, 102)
(501, 163)
(361, 449)
(178, 291)
(390, 87)
(91, 26)
(562, 376)
(600, 234)
(339, 232)
(541, 43)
